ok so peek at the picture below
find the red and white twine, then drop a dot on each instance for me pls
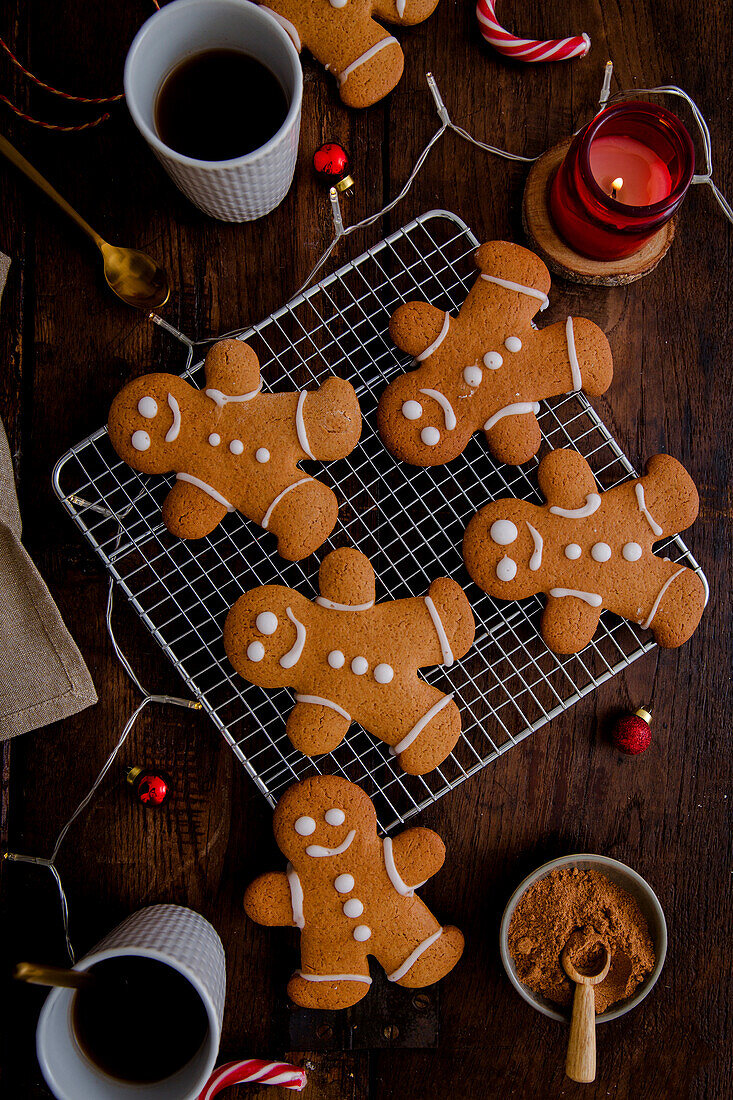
(527, 49)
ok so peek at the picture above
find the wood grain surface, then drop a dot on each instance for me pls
(67, 346)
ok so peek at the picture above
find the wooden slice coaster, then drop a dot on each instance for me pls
(559, 257)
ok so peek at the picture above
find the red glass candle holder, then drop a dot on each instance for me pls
(656, 151)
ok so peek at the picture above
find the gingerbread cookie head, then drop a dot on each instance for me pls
(489, 367)
(586, 550)
(146, 422)
(323, 818)
(270, 629)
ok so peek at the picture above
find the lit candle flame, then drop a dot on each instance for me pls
(616, 186)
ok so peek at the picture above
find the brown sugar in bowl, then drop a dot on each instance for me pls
(628, 880)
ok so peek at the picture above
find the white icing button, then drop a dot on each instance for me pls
(304, 826)
(573, 551)
(430, 436)
(266, 622)
(335, 817)
(344, 884)
(513, 343)
(493, 360)
(632, 551)
(236, 446)
(503, 531)
(214, 439)
(473, 376)
(359, 666)
(600, 551)
(383, 674)
(506, 569)
(412, 410)
(255, 651)
(338, 3)
(262, 454)
(336, 658)
(147, 407)
(353, 908)
(140, 440)
(362, 932)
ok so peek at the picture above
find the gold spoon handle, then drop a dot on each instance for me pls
(35, 176)
(52, 975)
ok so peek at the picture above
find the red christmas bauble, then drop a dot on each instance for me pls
(150, 786)
(331, 162)
(631, 733)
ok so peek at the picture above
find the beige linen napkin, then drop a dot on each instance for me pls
(43, 677)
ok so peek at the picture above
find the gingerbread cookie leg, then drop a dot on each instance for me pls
(677, 608)
(301, 517)
(570, 620)
(414, 960)
(374, 72)
(666, 496)
(192, 511)
(333, 973)
(317, 725)
(431, 728)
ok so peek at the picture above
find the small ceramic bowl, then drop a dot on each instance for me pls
(628, 880)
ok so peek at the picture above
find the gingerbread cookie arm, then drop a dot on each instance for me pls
(405, 12)
(419, 328)
(452, 619)
(413, 857)
(346, 581)
(270, 900)
(328, 420)
(232, 372)
(567, 483)
(193, 509)
(666, 496)
(316, 724)
(570, 619)
(513, 434)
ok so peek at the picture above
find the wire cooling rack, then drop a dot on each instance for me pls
(408, 521)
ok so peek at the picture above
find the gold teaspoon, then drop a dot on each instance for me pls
(134, 277)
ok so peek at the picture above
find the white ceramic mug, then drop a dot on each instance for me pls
(246, 187)
(171, 934)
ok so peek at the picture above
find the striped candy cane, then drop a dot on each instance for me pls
(254, 1069)
(527, 49)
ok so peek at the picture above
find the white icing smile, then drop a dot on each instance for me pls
(448, 414)
(291, 658)
(172, 433)
(318, 852)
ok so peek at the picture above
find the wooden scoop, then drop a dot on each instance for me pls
(580, 1064)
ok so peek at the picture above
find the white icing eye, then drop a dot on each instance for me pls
(255, 651)
(335, 817)
(344, 884)
(304, 826)
(214, 439)
(632, 551)
(338, 3)
(353, 908)
(266, 622)
(600, 551)
(336, 658)
(359, 666)
(473, 375)
(493, 360)
(412, 410)
(513, 343)
(147, 407)
(573, 551)
(140, 440)
(503, 531)
(383, 674)
(236, 446)
(506, 569)
(362, 932)
(430, 436)
(262, 454)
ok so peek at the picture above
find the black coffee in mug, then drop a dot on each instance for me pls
(218, 105)
(140, 1021)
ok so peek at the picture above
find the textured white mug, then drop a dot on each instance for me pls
(171, 934)
(246, 187)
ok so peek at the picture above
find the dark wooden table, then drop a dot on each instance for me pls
(67, 347)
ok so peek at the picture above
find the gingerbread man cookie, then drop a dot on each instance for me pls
(233, 447)
(587, 550)
(351, 894)
(488, 367)
(351, 661)
(343, 35)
